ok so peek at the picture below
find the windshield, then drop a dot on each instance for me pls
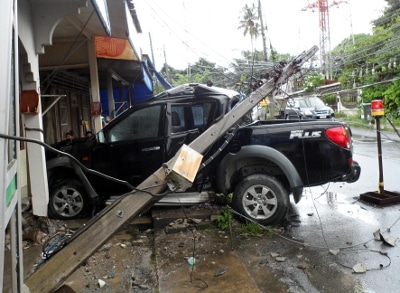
(300, 103)
(316, 102)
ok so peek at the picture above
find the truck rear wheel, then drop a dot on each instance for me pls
(261, 198)
(67, 200)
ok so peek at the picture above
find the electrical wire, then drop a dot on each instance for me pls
(50, 249)
(308, 183)
(373, 50)
(83, 167)
(383, 134)
(304, 244)
(184, 41)
(313, 200)
(321, 225)
(194, 238)
(377, 49)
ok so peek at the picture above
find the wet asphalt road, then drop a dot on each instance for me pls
(333, 218)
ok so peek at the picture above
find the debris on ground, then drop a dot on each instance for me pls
(359, 268)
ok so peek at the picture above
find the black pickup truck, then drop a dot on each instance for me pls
(260, 162)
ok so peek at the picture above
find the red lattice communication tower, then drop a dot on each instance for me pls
(324, 34)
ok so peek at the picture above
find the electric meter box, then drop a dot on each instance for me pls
(183, 168)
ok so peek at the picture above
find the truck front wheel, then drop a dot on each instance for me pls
(261, 198)
(67, 200)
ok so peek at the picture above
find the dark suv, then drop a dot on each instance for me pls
(131, 147)
(307, 108)
(261, 163)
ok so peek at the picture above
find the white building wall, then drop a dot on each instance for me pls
(29, 78)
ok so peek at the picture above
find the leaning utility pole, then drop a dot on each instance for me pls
(84, 242)
(154, 61)
(166, 66)
(262, 31)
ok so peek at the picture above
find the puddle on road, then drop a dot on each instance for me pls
(329, 203)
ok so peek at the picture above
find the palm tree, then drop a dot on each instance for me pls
(249, 22)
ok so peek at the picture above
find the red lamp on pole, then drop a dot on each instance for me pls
(377, 108)
(382, 196)
(377, 111)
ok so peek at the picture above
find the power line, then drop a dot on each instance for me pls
(385, 45)
(185, 41)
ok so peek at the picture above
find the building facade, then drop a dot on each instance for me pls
(59, 58)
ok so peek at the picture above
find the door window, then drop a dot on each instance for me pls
(188, 117)
(141, 124)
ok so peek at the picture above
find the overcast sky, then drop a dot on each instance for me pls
(187, 30)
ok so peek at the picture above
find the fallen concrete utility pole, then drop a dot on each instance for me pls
(56, 270)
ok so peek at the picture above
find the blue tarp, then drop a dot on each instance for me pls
(141, 92)
(121, 103)
(166, 85)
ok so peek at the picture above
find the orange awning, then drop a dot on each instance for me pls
(114, 48)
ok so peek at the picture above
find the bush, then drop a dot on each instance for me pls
(224, 218)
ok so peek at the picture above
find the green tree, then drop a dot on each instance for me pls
(391, 98)
(372, 61)
(312, 81)
(199, 72)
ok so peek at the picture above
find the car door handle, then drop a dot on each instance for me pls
(154, 148)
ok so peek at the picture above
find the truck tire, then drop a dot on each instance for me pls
(67, 200)
(261, 198)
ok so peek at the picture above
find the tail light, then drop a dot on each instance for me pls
(339, 136)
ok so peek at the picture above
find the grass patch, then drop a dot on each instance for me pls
(250, 229)
(340, 115)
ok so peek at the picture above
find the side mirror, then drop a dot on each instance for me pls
(100, 137)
